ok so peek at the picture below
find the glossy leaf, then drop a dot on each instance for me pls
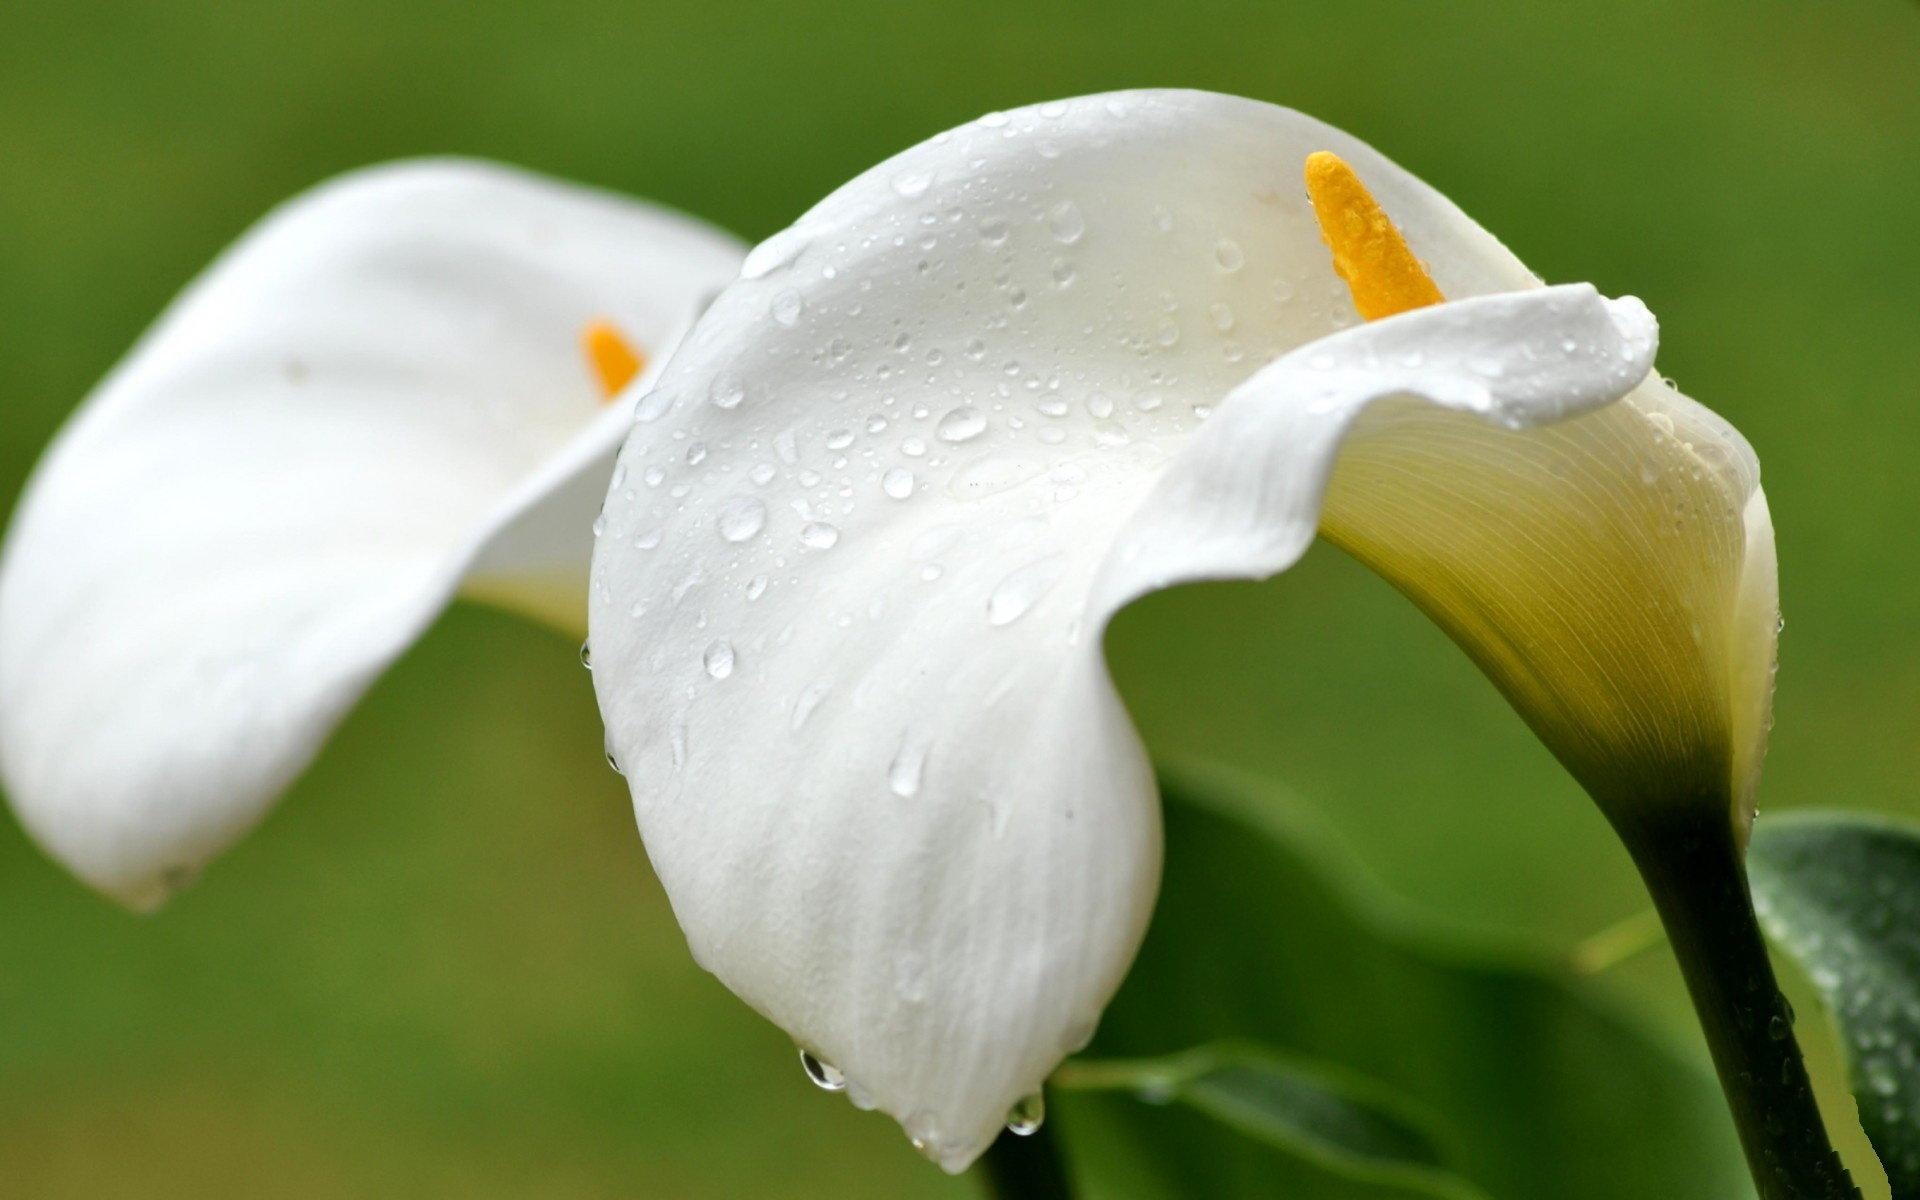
(1264, 933)
(1840, 893)
(1349, 1126)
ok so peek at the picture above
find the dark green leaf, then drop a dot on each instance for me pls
(1347, 1125)
(1840, 892)
(1262, 934)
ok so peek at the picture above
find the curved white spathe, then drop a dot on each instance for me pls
(375, 398)
(847, 603)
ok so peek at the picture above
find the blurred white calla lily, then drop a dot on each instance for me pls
(861, 548)
(374, 401)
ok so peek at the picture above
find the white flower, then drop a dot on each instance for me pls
(375, 400)
(848, 602)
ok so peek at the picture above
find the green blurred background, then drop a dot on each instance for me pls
(443, 967)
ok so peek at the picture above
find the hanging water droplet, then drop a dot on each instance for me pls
(586, 655)
(962, 424)
(897, 482)
(727, 390)
(613, 762)
(1066, 222)
(824, 1074)
(1026, 1117)
(719, 659)
(819, 535)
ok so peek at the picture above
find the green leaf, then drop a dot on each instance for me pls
(1348, 1125)
(1262, 933)
(1840, 893)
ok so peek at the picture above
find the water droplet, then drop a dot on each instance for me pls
(819, 535)
(839, 439)
(1026, 1117)
(993, 231)
(1023, 588)
(1228, 254)
(1066, 222)
(741, 518)
(824, 1074)
(719, 659)
(909, 763)
(727, 390)
(786, 307)
(912, 183)
(807, 701)
(769, 256)
(962, 424)
(586, 655)
(1221, 315)
(897, 482)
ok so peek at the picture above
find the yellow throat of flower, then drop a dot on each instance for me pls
(1368, 250)
(615, 361)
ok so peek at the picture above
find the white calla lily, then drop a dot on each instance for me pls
(861, 548)
(376, 399)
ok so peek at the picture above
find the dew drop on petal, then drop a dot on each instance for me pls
(897, 483)
(1066, 222)
(719, 659)
(908, 765)
(824, 1074)
(653, 406)
(1022, 589)
(741, 518)
(1228, 254)
(769, 256)
(911, 183)
(962, 424)
(786, 307)
(727, 390)
(807, 701)
(819, 535)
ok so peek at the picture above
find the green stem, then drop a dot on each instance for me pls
(1025, 1168)
(1692, 867)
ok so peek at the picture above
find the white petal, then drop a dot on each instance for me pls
(290, 476)
(848, 646)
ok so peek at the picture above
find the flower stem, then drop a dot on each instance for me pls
(1692, 866)
(1025, 1168)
